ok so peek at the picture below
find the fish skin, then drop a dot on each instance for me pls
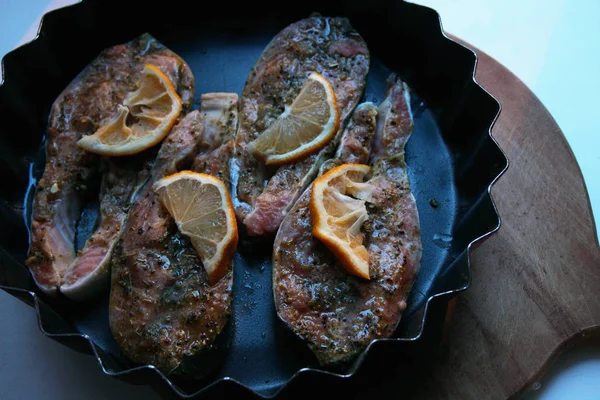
(220, 111)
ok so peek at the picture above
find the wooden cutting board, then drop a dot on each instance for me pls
(536, 283)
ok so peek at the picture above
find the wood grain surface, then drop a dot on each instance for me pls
(536, 282)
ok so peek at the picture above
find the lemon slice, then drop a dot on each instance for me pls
(144, 119)
(338, 211)
(303, 128)
(201, 207)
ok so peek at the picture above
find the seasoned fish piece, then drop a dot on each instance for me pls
(146, 265)
(336, 313)
(329, 46)
(162, 307)
(79, 110)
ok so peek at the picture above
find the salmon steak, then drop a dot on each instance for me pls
(338, 314)
(328, 46)
(89, 100)
(163, 309)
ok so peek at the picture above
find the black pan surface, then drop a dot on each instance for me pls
(452, 160)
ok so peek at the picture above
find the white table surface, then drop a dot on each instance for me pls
(553, 46)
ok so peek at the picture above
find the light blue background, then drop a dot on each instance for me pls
(15, 18)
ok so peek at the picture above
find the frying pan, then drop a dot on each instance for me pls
(452, 162)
